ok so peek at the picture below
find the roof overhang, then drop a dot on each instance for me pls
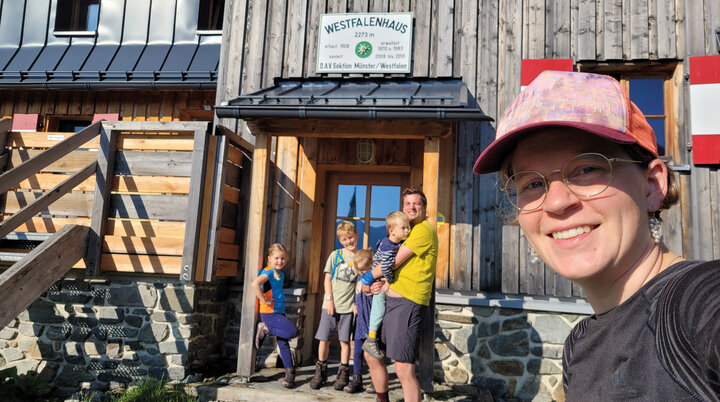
(358, 99)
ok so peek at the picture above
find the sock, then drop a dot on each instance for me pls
(382, 396)
(372, 334)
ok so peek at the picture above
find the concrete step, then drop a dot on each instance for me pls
(265, 386)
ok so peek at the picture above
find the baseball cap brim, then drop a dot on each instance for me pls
(493, 156)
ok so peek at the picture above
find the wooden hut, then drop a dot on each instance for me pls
(303, 162)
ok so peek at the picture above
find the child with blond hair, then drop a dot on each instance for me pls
(337, 310)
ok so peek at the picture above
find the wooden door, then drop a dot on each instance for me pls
(365, 198)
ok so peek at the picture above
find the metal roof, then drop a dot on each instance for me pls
(138, 44)
(363, 99)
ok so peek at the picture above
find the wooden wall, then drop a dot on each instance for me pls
(130, 105)
(484, 41)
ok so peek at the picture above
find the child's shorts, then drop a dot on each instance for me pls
(328, 324)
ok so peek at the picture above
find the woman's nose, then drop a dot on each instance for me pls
(559, 197)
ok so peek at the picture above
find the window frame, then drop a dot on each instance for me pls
(73, 28)
(667, 71)
(207, 27)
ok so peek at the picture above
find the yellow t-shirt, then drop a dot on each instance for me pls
(416, 276)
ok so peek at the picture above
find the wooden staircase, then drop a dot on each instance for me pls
(38, 260)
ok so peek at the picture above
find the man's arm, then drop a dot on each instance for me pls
(402, 255)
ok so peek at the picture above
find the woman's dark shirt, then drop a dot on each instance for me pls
(662, 344)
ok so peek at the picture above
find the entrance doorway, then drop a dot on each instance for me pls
(365, 199)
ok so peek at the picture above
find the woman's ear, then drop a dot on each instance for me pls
(656, 178)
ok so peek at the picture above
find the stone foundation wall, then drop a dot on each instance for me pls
(517, 354)
(103, 333)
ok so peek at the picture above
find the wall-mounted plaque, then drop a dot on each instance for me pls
(365, 43)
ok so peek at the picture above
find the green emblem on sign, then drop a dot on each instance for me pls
(363, 49)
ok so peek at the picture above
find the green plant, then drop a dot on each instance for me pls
(152, 390)
(23, 387)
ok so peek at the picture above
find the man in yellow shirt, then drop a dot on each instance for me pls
(408, 299)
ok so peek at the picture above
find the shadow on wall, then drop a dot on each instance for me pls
(100, 332)
(516, 354)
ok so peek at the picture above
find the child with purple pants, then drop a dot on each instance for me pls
(272, 309)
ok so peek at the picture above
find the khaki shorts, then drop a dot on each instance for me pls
(328, 324)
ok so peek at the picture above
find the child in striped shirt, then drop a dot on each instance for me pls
(398, 227)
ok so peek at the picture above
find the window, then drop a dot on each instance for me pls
(364, 199)
(648, 95)
(650, 87)
(210, 15)
(77, 15)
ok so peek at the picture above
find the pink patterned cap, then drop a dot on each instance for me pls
(590, 102)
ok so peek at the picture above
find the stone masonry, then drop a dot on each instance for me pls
(98, 334)
(517, 354)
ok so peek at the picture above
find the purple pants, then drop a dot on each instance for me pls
(284, 330)
(358, 355)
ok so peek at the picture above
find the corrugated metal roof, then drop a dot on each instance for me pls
(373, 99)
(137, 44)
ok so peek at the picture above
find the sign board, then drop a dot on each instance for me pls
(365, 43)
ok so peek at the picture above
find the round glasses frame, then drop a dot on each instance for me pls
(596, 187)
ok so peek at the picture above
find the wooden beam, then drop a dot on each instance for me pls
(27, 279)
(13, 176)
(157, 126)
(215, 188)
(101, 201)
(254, 253)
(431, 163)
(153, 163)
(149, 206)
(46, 199)
(194, 210)
(313, 128)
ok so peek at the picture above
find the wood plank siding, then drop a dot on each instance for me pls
(482, 42)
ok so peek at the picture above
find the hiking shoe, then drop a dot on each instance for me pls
(373, 349)
(289, 380)
(262, 331)
(342, 377)
(370, 389)
(320, 375)
(355, 385)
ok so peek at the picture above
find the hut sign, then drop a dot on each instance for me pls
(365, 43)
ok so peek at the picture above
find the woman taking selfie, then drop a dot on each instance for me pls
(579, 166)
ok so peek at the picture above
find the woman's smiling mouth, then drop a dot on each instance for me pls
(569, 233)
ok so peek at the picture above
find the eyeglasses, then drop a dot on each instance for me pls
(586, 175)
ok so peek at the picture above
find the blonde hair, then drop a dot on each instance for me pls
(396, 218)
(345, 227)
(363, 258)
(274, 248)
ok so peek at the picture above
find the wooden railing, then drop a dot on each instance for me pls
(158, 197)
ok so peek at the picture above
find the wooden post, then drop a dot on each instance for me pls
(101, 200)
(218, 187)
(254, 253)
(426, 345)
(192, 223)
(5, 127)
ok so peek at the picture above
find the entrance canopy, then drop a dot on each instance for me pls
(357, 99)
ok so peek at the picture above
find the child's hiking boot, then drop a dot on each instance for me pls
(289, 380)
(320, 375)
(342, 377)
(355, 385)
(373, 349)
(370, 389)
(262, 331)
